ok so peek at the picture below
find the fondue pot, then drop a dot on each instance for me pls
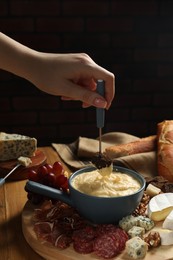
(99, 210)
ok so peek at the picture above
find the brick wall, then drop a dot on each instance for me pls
(133, 39)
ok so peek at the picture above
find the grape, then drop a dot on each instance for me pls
(36, 198)
(58, 168)
(42, 171)
(49, 175)
(50, 179)
(60, 180)
(49, 167)
(29, 195)
(64, 186)
(32, 175)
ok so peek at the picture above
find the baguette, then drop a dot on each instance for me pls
(146, 144)
(165, 149)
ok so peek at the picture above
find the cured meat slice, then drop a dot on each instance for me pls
(105, 228)
(117, 239)
(42, 229)
(85, 234)
(63, 241)
(84, 239)
(122, 237)
(84, 247)
(106, 246)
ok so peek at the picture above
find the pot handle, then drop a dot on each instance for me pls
(48, 192)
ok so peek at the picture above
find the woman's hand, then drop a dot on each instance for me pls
(73, 77)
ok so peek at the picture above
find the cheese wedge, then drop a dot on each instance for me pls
(168, 222)
(160, 206)
(166, 236)
(12, 146)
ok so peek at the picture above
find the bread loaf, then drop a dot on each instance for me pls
(146, 144)
(165, 149)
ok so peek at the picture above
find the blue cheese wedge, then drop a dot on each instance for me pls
(12, 146)
(136, 248)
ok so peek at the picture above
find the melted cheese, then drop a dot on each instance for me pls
(105, 185)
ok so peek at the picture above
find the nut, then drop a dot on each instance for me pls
(153, 239)
(141, 209)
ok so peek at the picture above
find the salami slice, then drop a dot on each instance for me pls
(83, 240)
(84, 247)
(106, 246)
(105, 229)
(110, 240)
(85, 234)
(122, 237)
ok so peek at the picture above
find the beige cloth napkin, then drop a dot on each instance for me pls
(79, 153)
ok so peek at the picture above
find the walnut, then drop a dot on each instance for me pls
(153, 239)
(141, 208)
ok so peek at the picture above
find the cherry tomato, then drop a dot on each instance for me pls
(49, 167)
(32, 175)
(58, 168)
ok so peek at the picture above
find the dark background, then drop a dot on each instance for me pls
(133, 39)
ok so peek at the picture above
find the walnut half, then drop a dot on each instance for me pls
(141, 209)
(153, 239)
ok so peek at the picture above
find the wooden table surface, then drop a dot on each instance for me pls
(13, 197)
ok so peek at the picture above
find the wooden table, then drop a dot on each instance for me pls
(13, 197)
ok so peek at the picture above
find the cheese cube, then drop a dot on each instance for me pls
(25, 161)
(145, 222)
(12, 146)
(136, 248)
(128, 222)
(152, 190)
(168, 222)
(136, 231)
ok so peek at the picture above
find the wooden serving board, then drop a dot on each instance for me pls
(21, 173)
(51, 253)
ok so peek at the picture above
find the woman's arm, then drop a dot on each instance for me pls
(71, 76)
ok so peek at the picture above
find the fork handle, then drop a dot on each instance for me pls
(100, 112)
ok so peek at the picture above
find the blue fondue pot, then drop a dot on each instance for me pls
(95, 209)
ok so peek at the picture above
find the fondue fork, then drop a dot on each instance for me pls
(2, 180)
(100, 160)
(100, 113)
